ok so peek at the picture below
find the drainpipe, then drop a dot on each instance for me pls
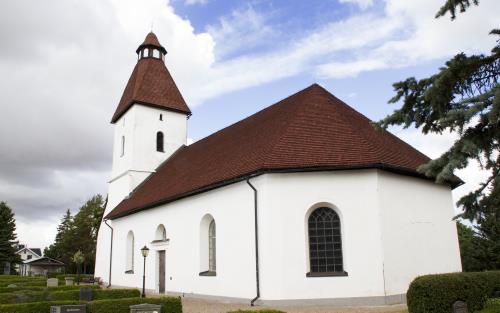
(110, 253)
(256, 244)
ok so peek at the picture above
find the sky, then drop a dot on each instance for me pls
(65, 63)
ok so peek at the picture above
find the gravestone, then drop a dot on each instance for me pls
(69, 281)
(145, 308)
(12, 286)
(52, 282)
(460, 307)
(85, 294)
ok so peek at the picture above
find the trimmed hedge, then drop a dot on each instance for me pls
(437, 293)
(67, 295)
(42, 288)
(168, 304)
(34, 307)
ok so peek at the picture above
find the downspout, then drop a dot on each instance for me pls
(110, 253)
(256, 244)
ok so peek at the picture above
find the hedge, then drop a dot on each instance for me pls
(37, 282)
(168, 304)
(437, 293)
(38, 307)
(42, 288)
(67, 295)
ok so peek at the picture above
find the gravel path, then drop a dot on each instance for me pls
(192, 305)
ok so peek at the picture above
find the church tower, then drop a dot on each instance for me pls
(150, 124)
(150, 121)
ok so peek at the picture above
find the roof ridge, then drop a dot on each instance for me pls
(298, 107)
(251, 115)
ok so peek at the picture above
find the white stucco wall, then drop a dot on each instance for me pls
(418, 233)
(232, 209)
(285, 203)
(393, 228)
(139, 126)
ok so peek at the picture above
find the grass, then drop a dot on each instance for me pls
(492, 306)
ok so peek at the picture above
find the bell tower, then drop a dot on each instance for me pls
(150, 121)
(150, 124)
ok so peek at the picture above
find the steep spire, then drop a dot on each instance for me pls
(151, 83)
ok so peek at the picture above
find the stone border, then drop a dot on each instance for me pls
(352, 301)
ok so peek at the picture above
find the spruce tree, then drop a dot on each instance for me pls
(463, 97)
(8, 237)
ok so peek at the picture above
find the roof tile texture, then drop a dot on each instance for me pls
(310, 129)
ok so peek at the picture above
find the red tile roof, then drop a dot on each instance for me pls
(310, 130)
(151, 84)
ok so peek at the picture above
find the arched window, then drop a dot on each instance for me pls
(159, 142)
(161, 233)
(208, 243)
(129, 265)
(325, 243)
(122, 148)
(211, 247)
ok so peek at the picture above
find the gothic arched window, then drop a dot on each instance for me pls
(159, 142)
(129, 265)
(325, 243)
(212, 262)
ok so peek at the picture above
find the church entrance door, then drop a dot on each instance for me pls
(161, 271)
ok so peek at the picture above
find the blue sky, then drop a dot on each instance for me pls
(230, 59)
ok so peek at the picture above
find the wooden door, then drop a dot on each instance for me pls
(161, 264)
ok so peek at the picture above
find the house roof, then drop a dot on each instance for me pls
(45, 261)
(152, 85)
(36, 251)
(310, 130)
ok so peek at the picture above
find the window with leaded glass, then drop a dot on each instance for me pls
(325, 243)
(211, 247)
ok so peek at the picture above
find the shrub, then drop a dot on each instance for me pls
(26, 296)
(116, 294)
(42, 288)
(34, 307)
(437, 293)
(169, 305)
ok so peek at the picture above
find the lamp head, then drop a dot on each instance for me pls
(145, 251)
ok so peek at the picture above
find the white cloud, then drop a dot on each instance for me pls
(192, 2)
(243, 29)
(363, 4)
(421, 38)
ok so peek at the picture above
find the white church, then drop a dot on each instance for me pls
(302, 202)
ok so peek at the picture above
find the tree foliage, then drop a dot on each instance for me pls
(78, 233)
(8, 237)
(464, 98)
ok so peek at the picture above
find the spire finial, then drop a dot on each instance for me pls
(152, 22)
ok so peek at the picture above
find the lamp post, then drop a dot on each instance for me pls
(145, 252)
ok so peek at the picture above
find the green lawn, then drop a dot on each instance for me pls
(493, 306)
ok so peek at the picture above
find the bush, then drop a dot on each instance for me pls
(437, 293)
(168, 304)
(116, 294)
(34, 307)
(26, 296)
(42, 288)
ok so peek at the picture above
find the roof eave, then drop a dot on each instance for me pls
(116, 117)
(390, 168)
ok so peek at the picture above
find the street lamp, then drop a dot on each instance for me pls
(145, 252)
